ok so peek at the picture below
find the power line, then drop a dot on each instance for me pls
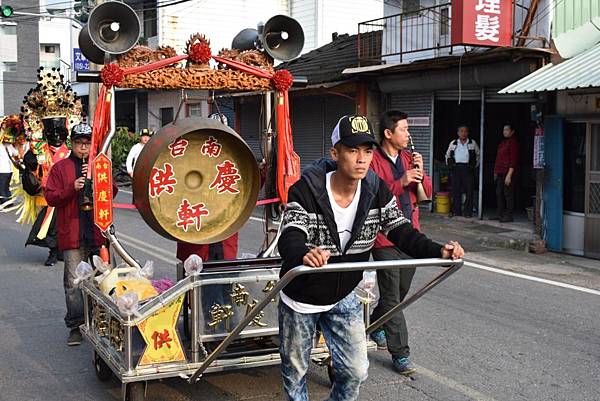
(163, 3)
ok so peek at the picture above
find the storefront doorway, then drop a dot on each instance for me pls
(449, 114)
(592, 193)
(581, 191)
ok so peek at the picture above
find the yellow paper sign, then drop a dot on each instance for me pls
(160, 335)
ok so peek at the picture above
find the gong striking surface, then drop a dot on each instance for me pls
(196, 181)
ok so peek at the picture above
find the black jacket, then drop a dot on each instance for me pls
(309, 221)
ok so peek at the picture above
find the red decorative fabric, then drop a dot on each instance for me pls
(112, 75)
(282, 80)
(288, 162)
(200, 53)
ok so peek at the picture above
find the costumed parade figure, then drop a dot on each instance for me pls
(13, 146)
(49, 110)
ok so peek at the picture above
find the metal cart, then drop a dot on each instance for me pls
(231, 324)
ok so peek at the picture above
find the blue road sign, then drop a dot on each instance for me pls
(80, 63)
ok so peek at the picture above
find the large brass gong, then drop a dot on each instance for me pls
(196, 181)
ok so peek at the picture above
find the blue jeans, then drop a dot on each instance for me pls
(344, 332)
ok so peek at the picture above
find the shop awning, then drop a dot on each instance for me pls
(581, 71)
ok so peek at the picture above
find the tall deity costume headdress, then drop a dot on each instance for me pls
(49, 111)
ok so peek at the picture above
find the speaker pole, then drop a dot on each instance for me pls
(270, 177)
(94, 88)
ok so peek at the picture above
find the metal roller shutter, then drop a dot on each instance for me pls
(226, 106)
(249, 108)
(417, 105)
(464, 94)
(313, 119)
(307, 127)
(335, 108)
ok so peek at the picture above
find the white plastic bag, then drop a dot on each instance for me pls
(148, 270)
(368, 288)
(83, 271)
(193, 265)
(128, 304)
(100, 265)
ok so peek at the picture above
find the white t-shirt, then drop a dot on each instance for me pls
(461, 153)
(132, 156)
(393, 158)
(344, 219)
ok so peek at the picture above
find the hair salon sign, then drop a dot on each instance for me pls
(482, 22)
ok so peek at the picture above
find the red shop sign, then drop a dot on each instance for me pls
(482, 22)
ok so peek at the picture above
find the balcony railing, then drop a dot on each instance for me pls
(426, 33)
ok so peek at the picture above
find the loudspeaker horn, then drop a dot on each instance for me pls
(113, 27)
(88, 48)
(246, 39)
(282, 37)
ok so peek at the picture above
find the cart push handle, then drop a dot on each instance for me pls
(452, 266)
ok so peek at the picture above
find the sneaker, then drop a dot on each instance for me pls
(74, 338)
(403, 366)
(52, 259)
(378, 336)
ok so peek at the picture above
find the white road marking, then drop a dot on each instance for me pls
(454, 385)
(157, 253)
(138, 242)
(531, 278)
(126, 191)
(148, 252)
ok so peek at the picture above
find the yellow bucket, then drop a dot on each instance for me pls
(442, 202)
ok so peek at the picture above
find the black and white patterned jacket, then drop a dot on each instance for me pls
(309, 222)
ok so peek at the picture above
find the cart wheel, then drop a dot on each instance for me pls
(135, 391)
(330, 372)
(103, 372)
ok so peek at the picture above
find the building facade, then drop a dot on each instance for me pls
(571, 130)
(19, 56)
(412, 63)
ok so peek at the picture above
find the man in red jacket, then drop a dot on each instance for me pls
(505, 167)
(401, 171)
(78, 237)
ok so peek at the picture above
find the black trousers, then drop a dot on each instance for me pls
(463, 181)
(393, 284)
(5, 186)
(505, 197)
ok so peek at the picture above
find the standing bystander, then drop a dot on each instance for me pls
(462, 158)
(505, 169)
(6, 170)
(78, 237)
(136, 149)
(401, 172)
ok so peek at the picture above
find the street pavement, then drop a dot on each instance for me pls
(527, 331)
